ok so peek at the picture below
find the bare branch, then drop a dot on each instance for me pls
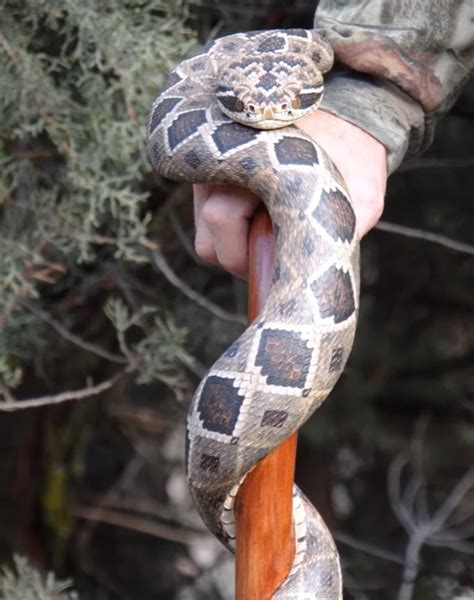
(73, 338)
(451, 503)
(181, 234)
(140, 524)
(395, 494)
(161, 264)
(367, 548)
(87, 392)
(427, 236)
(425, 529)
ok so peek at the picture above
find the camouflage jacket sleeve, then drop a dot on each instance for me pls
(400, 64)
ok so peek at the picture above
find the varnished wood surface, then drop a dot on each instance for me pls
(265, 544)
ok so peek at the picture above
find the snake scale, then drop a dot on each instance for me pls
(225, 117)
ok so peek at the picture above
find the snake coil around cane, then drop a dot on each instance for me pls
(225, 117)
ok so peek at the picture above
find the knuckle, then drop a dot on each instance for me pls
(214, 213)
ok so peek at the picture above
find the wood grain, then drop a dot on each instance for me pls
(265, 541)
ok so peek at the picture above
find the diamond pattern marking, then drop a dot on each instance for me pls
(267, 81)
(229, 136)
(284, 357)
(192, 159)
(162, 109)
(272, 44)
(336, 359)
(172, 80)
(334, 294)
(219, 405)
(335, 214)
(184, 126)
(209, 463)
(274, 418)
(296, 151)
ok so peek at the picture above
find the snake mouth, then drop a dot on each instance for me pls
(273, 123)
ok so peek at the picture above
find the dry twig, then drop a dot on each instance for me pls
(427, 236)
(73, 338)
(162, 265)
(87, 392)
(441, 527)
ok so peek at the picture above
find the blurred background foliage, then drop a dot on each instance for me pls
(103, 302)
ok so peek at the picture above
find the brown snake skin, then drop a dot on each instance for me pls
(285, 364)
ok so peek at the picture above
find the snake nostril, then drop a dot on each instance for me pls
(251, 108)
(284, 106)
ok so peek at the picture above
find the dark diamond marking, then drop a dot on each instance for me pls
(219, 405)
(284, 357)
(272, 44)
(334, 294)
(274, 418)
(296, 151)
(335, 214)
(249, 164)
(209, 463)
(198, 65)
(267, 81)
(293, 62)
(184, 126)
(232, 135)
(244, 63)
(172, 80)
(192, 159)
(162, 109)
(336, 359)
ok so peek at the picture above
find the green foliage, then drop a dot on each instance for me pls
(23, 582)
(77, 80)
(157, 354)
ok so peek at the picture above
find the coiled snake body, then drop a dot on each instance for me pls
(284, 365)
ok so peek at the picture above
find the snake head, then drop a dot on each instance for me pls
(269, 91)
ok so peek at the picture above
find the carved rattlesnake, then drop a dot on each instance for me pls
(284, 365)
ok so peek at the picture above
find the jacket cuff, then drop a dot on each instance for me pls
(381, 109)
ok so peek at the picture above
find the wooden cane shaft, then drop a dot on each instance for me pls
(265, 541)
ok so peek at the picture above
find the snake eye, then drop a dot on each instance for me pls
(231, 103)
(295, 103)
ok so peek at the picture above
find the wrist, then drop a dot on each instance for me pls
(360, 158)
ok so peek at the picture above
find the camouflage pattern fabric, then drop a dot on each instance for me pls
(400, 66)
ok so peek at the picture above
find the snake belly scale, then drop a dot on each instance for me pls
(271, 380)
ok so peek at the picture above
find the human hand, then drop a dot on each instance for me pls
(223, 212)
